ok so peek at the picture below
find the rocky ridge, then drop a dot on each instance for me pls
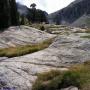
(75, 14)
(22, 35)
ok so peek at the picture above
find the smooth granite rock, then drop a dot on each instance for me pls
(22, 35)
(21, 72)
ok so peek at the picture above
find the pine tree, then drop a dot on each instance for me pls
(13, 13)
(4, 14)
(8, 13)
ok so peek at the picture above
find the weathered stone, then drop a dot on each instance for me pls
(70, 88)
(22, 35)
(21, 72)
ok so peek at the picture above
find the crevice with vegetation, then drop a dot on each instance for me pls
(26, 49)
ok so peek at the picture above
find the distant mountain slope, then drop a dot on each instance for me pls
(71, 13)
(82, 21)
(23, 10)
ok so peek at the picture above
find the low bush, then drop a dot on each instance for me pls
(70, 79)
(56, 80)
(42, 28)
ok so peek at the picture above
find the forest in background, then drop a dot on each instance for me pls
(10, 16)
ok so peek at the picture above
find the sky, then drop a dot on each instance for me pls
(47, 5)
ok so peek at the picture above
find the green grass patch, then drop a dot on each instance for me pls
(84, 72)
(78, 75)
(88, 36)
(55, 80)
(22, 50)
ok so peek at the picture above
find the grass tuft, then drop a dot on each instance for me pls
(22, 50)
(55, 80)
(88, 36)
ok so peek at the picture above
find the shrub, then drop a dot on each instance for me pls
(70, 79)
(55, 83)
(38, 86)
(42, 28)
(55, 80)
(48, 80)
(48, 75)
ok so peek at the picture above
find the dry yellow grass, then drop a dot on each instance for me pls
(78, 75)
(22, 50)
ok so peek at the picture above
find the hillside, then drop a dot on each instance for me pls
(72, 13)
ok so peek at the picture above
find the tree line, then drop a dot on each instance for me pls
(8, 13)
(10, 17)
(34, 15)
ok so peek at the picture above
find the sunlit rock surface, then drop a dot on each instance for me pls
(21, 72)
(22, 35)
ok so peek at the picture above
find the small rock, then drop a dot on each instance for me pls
(3, 58)
(70, 88)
